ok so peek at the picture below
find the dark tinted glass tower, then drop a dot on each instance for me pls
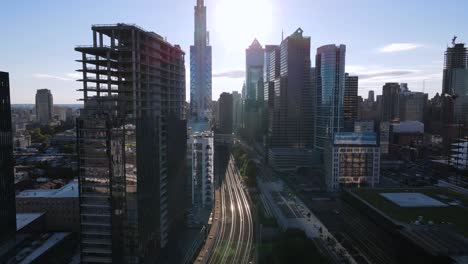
(134, 95)
(292, 123)
(7, 187)
(44, 106)
(390, 101)
(350, 103)
(330, 79)
(225, 113)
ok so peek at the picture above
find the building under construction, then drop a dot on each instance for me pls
(134, 94)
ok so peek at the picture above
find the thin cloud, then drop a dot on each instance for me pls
(385, 74)
(51, 77)
(235, 74)
(397, 47)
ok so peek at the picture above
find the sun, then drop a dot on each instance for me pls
(238, 22)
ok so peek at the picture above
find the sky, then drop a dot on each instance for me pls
(387, 41)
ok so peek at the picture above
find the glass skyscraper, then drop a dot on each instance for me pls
(330, 83)
(200, 68)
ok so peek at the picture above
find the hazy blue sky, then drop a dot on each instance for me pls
(396, 40)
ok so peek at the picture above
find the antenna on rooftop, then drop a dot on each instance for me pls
(453, 40)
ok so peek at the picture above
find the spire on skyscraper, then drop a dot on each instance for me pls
(200, 3)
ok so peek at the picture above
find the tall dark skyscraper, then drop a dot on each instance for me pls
(225, 113)
(330, 79)
(7, 179)
(350, 102)
(390, 102)
(292, 123)
(455, 79)
(200, 68)
(133, 109)
(371, 97)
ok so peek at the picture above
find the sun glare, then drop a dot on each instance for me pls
(238, 22)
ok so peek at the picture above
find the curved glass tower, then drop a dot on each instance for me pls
(330, 77)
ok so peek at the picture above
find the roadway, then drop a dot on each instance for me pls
(234, 241)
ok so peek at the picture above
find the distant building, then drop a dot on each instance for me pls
(364, 126)
(61, 206)
(371, 97)
(455, 79)
(292, 118)
(201, 67)
(330, 69)
(200, 155)
(350, 102)
(352, 159)
(412, 105)
(7, 178)
(406, 133)
(290, 159)
(44, 106)
(225, 106)
(390, 102)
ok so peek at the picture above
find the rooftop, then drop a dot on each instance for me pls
(68, 191)
(454, 212)
(23, 220)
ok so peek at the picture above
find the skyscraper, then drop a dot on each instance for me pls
(254, 58)
(330, 78)
(390, 102)
(225, 113)
(236, 111)
(412, 105)
(44, 106)
(350, 102)
(133, 108)
(200, 68)
(292, 120)
(7, 179)
(371, 97)
(455, 79)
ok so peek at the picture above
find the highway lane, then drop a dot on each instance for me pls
(233, 243)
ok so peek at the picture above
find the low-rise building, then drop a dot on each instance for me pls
(352, 159)
(61, 206)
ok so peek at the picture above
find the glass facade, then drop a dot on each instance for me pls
(200, 68)
(330, 81)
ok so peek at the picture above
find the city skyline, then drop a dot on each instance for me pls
(392, 51)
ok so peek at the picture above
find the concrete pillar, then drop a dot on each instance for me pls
(101, 40)
(113, 39)
(94, 38)
(85, 84)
